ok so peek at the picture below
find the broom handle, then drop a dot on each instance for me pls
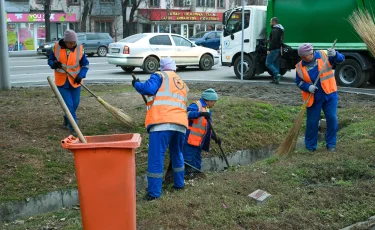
(221, 148)
(143, 96)
(66, 110)
(80, 84)
(320, 72)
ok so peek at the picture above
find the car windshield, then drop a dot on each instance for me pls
(199, 35)
(133, 38)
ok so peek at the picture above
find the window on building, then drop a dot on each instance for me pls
(74, 26)
(206, 3)
(220, 3)
(132, 2)
(146, 28)
(73, 2)
(103, 27)
(179, 3)
(154, 3)
(163, 40)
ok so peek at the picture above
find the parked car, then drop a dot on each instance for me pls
(93, 43)
(146, 49)
(209, 39)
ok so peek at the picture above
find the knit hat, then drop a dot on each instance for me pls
(167, 64)
(210, 95)
(70, 36)
(305, 49)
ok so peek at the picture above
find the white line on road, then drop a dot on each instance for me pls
(27, 66)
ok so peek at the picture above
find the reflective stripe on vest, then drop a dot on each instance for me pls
(198, 128)
(168, 105)
(71, 64)
(327, 77)
(155, 175)
(180, 169)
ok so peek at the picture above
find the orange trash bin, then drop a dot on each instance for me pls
(105, 170)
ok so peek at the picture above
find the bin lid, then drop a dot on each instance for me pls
(130, 140)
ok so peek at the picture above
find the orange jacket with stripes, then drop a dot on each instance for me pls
(168, 105)
(327, 78)
(71, 63)
(198, 127)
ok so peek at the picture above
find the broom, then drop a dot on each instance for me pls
(117, 113)
(363, 24)
(290, 141)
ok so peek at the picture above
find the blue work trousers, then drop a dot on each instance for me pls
(329, 107)
(71, 98)
(193, 155)
(272, 62)
(158, 143)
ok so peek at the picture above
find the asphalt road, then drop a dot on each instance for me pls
(33, 71)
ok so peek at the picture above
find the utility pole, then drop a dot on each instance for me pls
(4, 63)
(47, 22)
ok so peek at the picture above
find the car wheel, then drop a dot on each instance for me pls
(127, 69)
(102, 51)
(206, 62)
(150, 65)
(349, 73)
(248, 67)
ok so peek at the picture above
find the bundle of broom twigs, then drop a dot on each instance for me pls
(363, 23)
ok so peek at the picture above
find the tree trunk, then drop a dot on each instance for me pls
(125, 26)
(47, 21)
(85, 13)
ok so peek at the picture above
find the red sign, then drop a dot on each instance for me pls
(180, 15)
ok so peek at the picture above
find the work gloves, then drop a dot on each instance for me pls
(207, 115)
(312, 88)
(134, 81)
(331, 52)
(77, 80)
(217, 140)
(56, 65)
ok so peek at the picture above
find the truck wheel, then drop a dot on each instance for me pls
(206, 62)
(248, 67)
(127, 69)
(150, 65)
(350, 74)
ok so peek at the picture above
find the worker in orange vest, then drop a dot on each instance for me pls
(68, 54)
(166, 122)
(324, 93)
(199, 132)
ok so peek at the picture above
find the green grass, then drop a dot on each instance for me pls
(319, 190)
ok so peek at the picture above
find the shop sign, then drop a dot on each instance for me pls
(179, 15)
(58, 17)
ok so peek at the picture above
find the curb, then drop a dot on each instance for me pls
(369, 224)
(31, 53)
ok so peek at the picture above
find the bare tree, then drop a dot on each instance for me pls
(129, 27)
(86, 12)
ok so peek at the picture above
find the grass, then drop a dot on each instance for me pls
(322, 190)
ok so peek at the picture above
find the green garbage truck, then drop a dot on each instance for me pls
(319, 22)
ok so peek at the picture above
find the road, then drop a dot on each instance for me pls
(33, 71)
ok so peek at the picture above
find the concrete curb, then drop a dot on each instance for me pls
(53, 201)
(369, 224)
(30, 53)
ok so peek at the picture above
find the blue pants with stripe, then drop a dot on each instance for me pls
(71, 98)
(193, 155)
(329, 107)
(158, 143)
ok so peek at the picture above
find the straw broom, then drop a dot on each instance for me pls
(117, 113)
(363, 23)
(290, 141)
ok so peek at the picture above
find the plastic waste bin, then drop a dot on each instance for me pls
(105, 170)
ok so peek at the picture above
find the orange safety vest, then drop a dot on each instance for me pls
(327, 78)
(198, 128)
(71, 63)
(168, 105)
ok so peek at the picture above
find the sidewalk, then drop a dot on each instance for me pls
(28, 53)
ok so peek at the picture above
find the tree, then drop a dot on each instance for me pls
(47, 14)
(87, 9)
(129, 27)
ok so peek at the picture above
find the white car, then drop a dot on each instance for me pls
(145, 51)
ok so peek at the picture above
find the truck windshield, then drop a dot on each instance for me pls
(234, 23)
